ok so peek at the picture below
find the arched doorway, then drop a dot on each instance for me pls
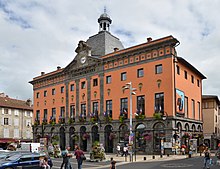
(71, 138)
(62, 138)
(123, 134)
(109, 139)
(95, 134)
(141, 136)
(83, 139)
(159, 134)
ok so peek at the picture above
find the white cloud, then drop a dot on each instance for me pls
(39, 35)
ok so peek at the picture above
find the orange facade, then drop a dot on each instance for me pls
(147, 85)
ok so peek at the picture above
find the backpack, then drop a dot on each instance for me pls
(63, 154)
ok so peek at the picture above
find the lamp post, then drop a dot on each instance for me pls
(131, 137)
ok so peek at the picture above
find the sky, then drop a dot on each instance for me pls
(39, 35)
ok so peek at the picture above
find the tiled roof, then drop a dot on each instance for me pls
(14, 103)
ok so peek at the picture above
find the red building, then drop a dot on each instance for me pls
(88, 100)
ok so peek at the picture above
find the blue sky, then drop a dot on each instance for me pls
(39, 35)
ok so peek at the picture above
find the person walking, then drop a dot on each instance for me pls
(66, 159)
(79, 156)
(118, 149)
(207, 158)
(113, 162)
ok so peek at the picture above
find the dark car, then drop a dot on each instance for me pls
(23, 160)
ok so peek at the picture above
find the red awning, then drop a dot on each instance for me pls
(7, 140)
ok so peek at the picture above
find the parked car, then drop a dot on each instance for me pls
(24, 160)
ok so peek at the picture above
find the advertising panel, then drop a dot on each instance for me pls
(180, 102)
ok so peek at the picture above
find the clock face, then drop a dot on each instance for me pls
(83, 59)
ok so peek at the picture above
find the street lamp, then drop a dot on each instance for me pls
(131, 137)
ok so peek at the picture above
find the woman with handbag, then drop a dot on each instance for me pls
(79, 156)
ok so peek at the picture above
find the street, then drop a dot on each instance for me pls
(189, 163)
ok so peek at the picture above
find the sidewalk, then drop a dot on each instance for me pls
(144, 158)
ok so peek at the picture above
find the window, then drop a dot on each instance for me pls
(38, 114)
(192, 78)
(198, 83)
(140, 105)
(83, 110)
(199, 113)
(108, 79)
(62, 111)
(53, 91)
(159, 102)
(185, 74)
(193, 108)
(72, 87)
(72, 111)
(28, 113)
(109, 107)
(45, 114)
(53, 112)
(16, 112)
(186, 106)
(83, 85)
(123, 76)
(6, 121)
(177, 69)
(140, 72)
(124, 107)
(5, 111)
(158, 69)
(45, 93)
(37, 95)
(95, 82)
(62, 89)
(95, 108)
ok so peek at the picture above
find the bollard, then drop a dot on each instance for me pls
(168, 155)
(161, 156)
(145, 158)
(153, 157)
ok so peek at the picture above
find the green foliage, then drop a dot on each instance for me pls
(71, 120)
(140, 117)
(121, 119)
(157, 115)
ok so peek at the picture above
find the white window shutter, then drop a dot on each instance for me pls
(9, 121)
(25, 113)
(3, 111)
(31, 114)
(2, 120)
(9, 111)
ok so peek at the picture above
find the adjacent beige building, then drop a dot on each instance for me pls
(211, 129)
(15, 120)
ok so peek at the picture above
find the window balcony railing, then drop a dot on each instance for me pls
(52, 120)
(61, 120)
(44, 121)
(71, 120)
(36, 122)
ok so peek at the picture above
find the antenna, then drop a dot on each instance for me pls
(104, 9)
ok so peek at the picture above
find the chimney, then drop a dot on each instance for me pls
(28, 102)
(149, 39)
(58, 67)
(42, 73)
(116, 49)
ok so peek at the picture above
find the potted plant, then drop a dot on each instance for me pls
(157, 115)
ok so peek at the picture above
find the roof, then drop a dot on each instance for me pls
(191, 67)
(8, 102)
(211, 97)
(103, 43)
(167, 39)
